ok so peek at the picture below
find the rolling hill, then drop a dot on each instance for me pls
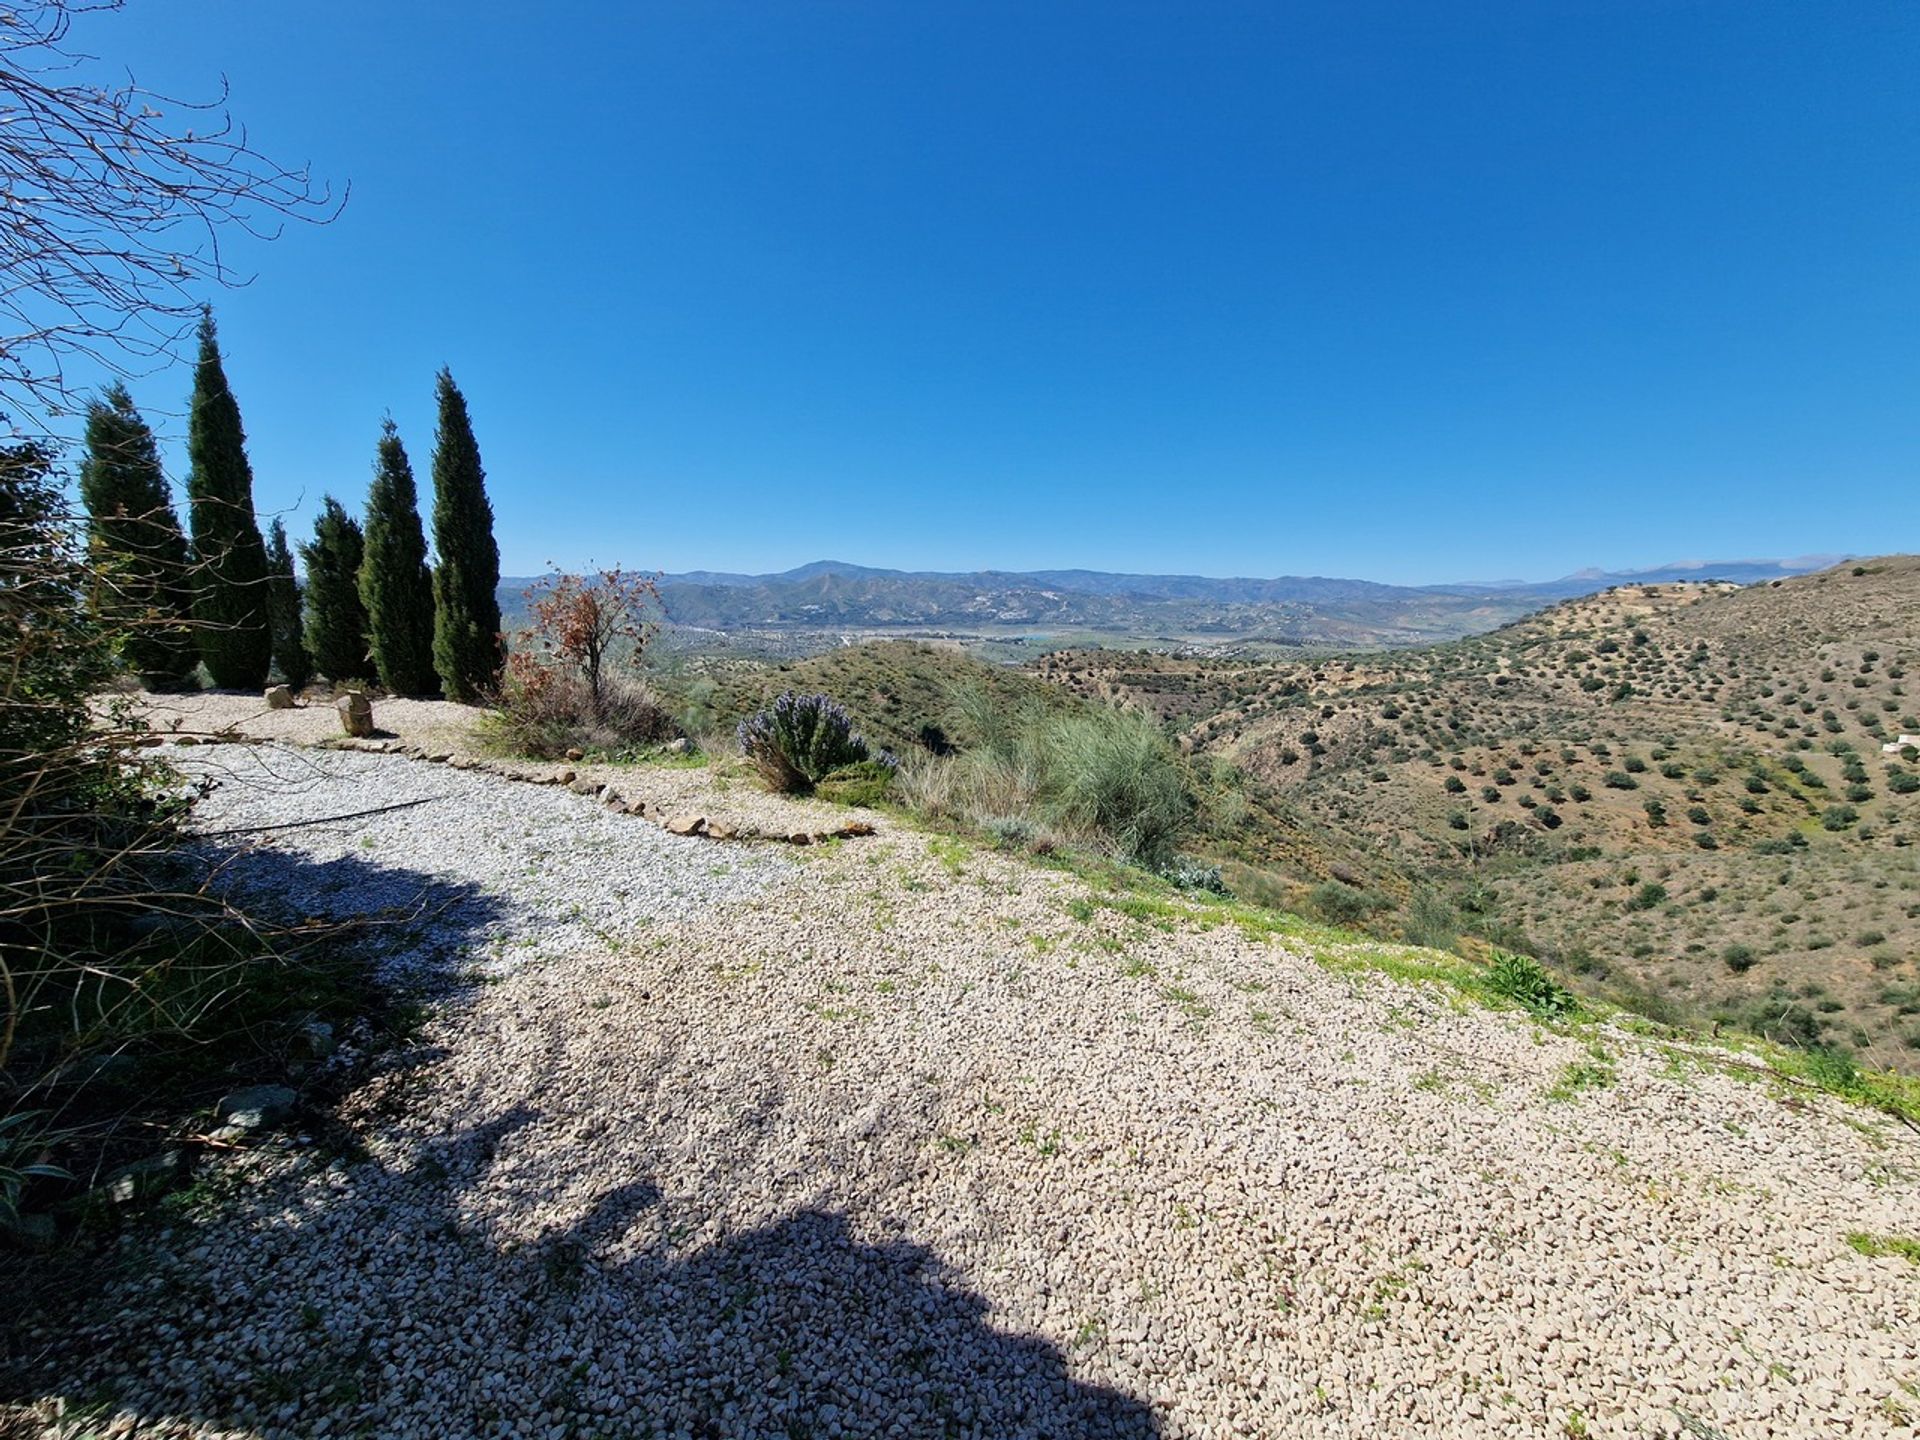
(1678, 788)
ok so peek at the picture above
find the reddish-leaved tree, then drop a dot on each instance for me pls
(583, 621)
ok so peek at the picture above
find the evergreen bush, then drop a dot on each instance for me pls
(230, 590)
(336, 628)
(283, 610)
(468, 649)
(396, 588)
(141, 572)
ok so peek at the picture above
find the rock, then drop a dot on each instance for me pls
(584, 787)
(279, 697)
(576, 754)
(800, 837)
(147, 742)
(437, 757)
(566, 777)
(854, 828)
(356, 714)
(636, 807)
(687, 825)
(679, 745)
(719, 830)
(133, 1184)
(188, 740)
(257, 1107)
(312, 1039)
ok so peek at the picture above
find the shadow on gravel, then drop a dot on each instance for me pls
(419, 928)
(382, 1302)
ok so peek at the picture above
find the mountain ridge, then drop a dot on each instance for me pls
(832, 597)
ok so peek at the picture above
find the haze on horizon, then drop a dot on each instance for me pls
(1481, 291)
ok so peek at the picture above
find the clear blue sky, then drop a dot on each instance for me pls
(1410, 291)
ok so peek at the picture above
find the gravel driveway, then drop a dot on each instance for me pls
(890, 1139)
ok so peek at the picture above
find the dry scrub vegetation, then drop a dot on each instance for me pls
(1678, 792)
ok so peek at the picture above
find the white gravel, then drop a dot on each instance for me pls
(889, 1140)
(476, 874)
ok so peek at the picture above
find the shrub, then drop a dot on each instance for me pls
(1649, 896)
(1739, 958)
(1838, 817)
(1340, 904)
(1522, 979)
(1111, 774)
(544, 711)
(799, 740)
(1619, 780)
(865, 782)
(1190, 873)
(1011, 832)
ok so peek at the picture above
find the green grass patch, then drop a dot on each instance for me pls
(1880, 1246)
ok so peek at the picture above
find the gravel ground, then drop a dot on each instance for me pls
(889, 1139)
(722, 793)
(475, 872)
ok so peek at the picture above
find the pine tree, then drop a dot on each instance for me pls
(395, 584)
(137, 554)
(467, 647)
(336, 620)
(283, 610)
(230, 592)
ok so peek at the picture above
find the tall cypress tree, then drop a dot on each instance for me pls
(467, 647)
(230, 590)
(283, 610)
(137, 554)
(395, 585)
(336, 620)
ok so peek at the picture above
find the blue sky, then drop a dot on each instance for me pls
(1411, 292)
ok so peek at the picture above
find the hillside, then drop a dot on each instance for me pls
(899, 692)
(1678, 787)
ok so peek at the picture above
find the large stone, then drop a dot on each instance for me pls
(279, 697)
(356, 714)
(257, 1107)
(687, 825)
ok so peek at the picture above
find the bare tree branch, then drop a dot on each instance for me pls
(113, 200)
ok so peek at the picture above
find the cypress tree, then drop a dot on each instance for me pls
(230, 591)
(467, 648)
(395, 585)
(336, 620)
(142, 580)
(283, 610)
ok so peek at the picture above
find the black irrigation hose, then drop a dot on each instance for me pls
(323, 820)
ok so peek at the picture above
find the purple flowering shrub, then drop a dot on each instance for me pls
(800, 739)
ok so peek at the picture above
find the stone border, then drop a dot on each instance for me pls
(609, 795)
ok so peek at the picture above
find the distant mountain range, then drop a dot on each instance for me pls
(830, 595)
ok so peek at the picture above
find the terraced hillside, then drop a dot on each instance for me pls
(1683, 788)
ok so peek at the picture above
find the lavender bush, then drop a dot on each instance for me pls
(800, 739)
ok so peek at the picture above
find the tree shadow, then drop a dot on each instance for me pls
(387, 1297)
